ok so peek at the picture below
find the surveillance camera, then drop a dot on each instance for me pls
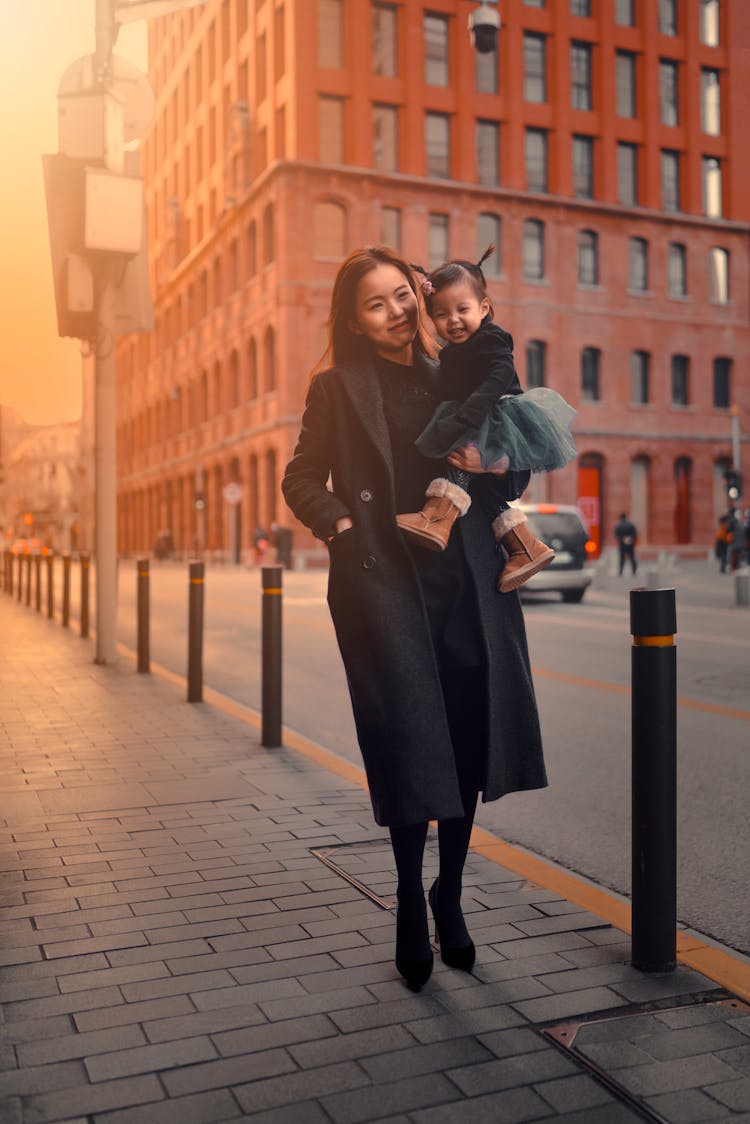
(484, 24)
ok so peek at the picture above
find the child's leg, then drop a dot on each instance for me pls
(526, 553)
(447, 499)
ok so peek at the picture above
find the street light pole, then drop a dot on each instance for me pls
(105, 525)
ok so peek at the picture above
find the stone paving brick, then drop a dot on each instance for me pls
(313, 1029)
(39, 1079)
(83, 981)
(442, 1026)
(46, 1108)
(102, 944)
(63, 1004)
(681, 981)
(516, 1040)
(410, 1061)
(202, 1022)
(148, 1059)
(518, 946)
(505, 1073)
(308, 1112)
(329, 1002)
(569, 1004)
(293, 1087)
(705, 1039)
(689, 1106)
(681, 1073)
(143, 954)
(79, 1045)
(569, 1094)
(255, 993)
(127, 1013)
(514, 1107)
(735, 1094)
(203, 1108)
(263, 1064)
(698, 1014)
(357, 1105)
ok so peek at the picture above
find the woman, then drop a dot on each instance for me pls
(436, 659)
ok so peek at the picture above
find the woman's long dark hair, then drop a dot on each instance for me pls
(344, 345)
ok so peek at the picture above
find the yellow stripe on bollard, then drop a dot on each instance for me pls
(196, 581)
(653, 641)
(272, 591)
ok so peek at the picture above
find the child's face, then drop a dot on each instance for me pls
(457, 311)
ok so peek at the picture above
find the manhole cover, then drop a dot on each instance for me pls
(669, 1064)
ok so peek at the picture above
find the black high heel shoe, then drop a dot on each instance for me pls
(416, 969)
(455, 956)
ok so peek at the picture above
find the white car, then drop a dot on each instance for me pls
(561, 526)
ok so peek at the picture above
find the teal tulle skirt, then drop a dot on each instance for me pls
(532, 430)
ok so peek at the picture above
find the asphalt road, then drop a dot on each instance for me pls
(581, 659)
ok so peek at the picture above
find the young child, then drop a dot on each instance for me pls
(484, 405)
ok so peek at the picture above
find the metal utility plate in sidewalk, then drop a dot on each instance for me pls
(686, 1062)
(367, 865)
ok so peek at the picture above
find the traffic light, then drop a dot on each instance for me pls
(733, 480)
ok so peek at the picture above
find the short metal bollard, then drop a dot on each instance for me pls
(50, 585)
(144, 627)
(742, 586)
(9, 572)
(654, 774)
(27, 599)
(84, 594)
(20, 577)
(196, 589)
(66, 591)
(38, 582)
(271, 645)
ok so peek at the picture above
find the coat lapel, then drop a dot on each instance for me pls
(361, 385)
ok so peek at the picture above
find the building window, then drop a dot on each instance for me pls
(329, 226)
(588, 257)
(486, 71)
(331, 130)
(279, 41)
(580, 75)
(677, 269)
(590, 362)
(261, 81)
(670, 180)
(625, 13)
(625, 73)
(331, 33)
(269, 360)
(583, 167)
(488, 234)
(709, 22)
(627, 174)
(488, 153)
(535, 3)
(234, 380)
(718, 275)
(722, 383)
(436, 50)
(251, 243)
(438, 228)
(536, 363)
(680, 378)
(534, 68)
(252, 370)
(535, 154)
(710, 102)
(385, 138)
(668, 93)
(667, 17)
(533, 250)
(390, 227)
(638, 265)
(384, 40)
(711, 178)
(269, 248)
(580, 8)
(437, 145)
(640, 362)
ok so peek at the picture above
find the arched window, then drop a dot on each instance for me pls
(203, 397)
(588, 257)
(533, 250)
(329, 230)
(269, 360)
(234, 380)
(488, 233)
(251, 243)
(269, 248)
(252, 370)
(217, 282)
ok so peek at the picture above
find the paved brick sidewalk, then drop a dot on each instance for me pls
(185, 936)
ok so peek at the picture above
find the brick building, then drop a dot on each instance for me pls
(601, 147)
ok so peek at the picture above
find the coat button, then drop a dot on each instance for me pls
(365, 495)
(369, 561)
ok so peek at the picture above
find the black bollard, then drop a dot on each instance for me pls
(50, 585)
(84, 594)
(20, 577)
(27, 599)
(142, 592)
(38, 582)
(653, 624)
(9, 571)
(271, 644)
(195, 632)
(66, 591)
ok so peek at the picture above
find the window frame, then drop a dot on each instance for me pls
(679, 380)
(533, 250)
(581, 77)
(588, 257)
(591, 358)
(640, 377)
(638, 264)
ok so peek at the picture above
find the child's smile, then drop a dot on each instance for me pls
(457, 312)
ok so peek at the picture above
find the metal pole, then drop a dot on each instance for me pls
(9, 571)
(195, 632)
(144, 646)
(271, 644)
(66, 591)
(736, 447)
(50, 586)
(654, 774)
(84, 594)
(105, 531)
(38, 581)
(20, 578)
(28, 579)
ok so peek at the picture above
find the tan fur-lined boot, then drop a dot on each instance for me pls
(431, 527)
(526, 554)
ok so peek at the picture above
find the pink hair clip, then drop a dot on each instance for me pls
(427, 287)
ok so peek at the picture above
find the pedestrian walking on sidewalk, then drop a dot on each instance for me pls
(627, 536)
(436, 658)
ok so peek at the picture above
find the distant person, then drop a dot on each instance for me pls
(627, 536)
(282, 540)
(747, 536)
(736, 531)
(723, 539)
(261, 539)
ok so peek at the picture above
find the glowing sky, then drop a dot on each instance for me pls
(40, 374)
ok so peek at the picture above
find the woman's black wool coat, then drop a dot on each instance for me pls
(380, 619)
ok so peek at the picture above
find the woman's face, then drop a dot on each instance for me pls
(386, 313)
